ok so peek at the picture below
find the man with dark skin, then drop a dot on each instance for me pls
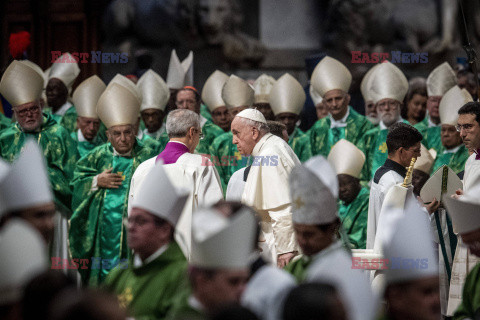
(57, 94)
(212, 98)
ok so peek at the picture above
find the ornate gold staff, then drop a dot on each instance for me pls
(407, 182)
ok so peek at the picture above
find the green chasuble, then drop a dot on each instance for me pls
(210, 132)
(354, 218)
(300, 144)
(226, 158)
(148, 291)
(182, 310)
(69, 119)
(204, 112)
(60, 152)
(456, 160)
(86, 146)
(322, 137)
(470, 305)
(374, 146)
(152, 143)
(432, 139)
(5, 121)
(96, 227)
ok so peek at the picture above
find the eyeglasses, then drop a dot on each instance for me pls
(467, 127)
(200, 134)
(24, 112)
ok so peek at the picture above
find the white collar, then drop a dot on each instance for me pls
(80, 136)
(260, 143)
(339, 123)
(137, 261)
(61, 111)
(195, 304)
(117, 154)
(178, 142)
(453, 150)
(203, 120)
(382, 125)
(431, 124)
(156, 135)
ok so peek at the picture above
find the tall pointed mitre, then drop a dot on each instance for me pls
(313, 202)
(154, 91)
(212, 90)
(364, 84)
(451, 102)
(223, 242)
(440, 80)
(465, 211)
(86, 95)
(24, 256)
(66, 71)
(128, 84)
(180, 74)
(330, 74)
(118, 106)
(37, 68)
(26, 184)
(262, 86)
(21, 84)
(159, 197)
(316, 97)
(236, 92)
(409, 240)
(442, 184)
(387, 82)
(287, 95)
(346, 158)
(426, 160)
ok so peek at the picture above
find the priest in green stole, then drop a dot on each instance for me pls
(85, 98)
(155, 96)
(101, 184)
(439, 81)
(147, 283)
(212, 97)
(61, 77)
(287, 98)
(237, 95)
(331, 80)
(348, 161)
(388, 87)
(22, 87)
(223, 240)
(453, 152)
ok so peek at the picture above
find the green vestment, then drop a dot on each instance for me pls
(148, 291)
(456, 160)
(432, 138)
(354, 218)
(96, 227)
(60, 152)
(204, 112)
(300, 144)
(322, 137)
(470, 305)
(86, 146)
(5, 121)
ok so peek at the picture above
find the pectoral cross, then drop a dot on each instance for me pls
(238, 155)
(383, 147)
(120, 173)
(125, 297)
(298, 202)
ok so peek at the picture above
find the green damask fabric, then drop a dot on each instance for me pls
(60, 152)
(456, 160)
(354, 218)
(432, 139)
(98, 214)
(85, 147)
(300, 144)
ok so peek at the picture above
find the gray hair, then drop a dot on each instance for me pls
(179, 121)
(261, 127)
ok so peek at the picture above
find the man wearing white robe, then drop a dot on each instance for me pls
(185, 169)
(266, 188)
(468, 124)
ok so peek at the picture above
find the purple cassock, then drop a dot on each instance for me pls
(173, 150)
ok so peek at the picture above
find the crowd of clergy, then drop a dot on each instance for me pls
(152, 199)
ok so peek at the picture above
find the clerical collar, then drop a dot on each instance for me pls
(260, 143)
(395, 166)
(195, 304)
(342, 123)
(383, 126)
(117, 154)
(431, 123)
(61, 111)
(137, 261)
(80, 136)
(452, 150)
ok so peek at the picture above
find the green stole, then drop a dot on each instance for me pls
(114, 202)
(354, 218)
(456, 161)
(298, 268)
(300, 144)
(379, 152)
(432, 138)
